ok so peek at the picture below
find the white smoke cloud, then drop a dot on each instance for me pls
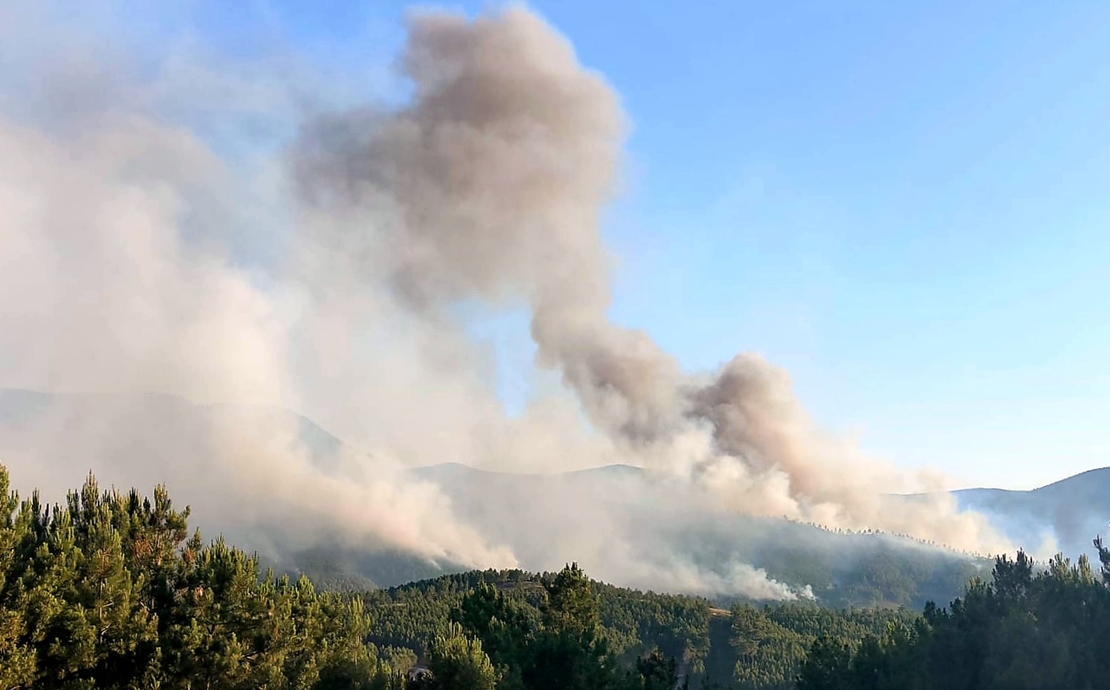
(139, 253)
(488, 186)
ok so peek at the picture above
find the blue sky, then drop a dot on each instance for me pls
(904, 204)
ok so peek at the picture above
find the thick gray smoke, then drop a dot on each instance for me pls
(138, 257)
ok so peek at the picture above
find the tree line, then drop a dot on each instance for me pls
(1027, 628)
(113, 590)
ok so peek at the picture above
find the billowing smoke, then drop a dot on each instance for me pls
(489, 186)
(102, 293)
(177, 296)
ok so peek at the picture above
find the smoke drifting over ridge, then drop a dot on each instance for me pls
(122, 234)
(494, 178)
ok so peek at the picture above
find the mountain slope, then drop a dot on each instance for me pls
(1064, 515)
(623, 524)
(678, 543)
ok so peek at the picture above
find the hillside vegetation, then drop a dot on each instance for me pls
(625, 525)
(110, 590)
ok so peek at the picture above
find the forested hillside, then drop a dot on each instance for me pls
(671, 527)
(625, 525)
(110, 590)
(1027, 628)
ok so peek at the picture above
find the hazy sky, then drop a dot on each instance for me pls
(904, 204)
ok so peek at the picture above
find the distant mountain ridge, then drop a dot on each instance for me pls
(627, 525)
(1064, 515)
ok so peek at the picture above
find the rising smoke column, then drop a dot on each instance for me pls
(489, 186)
(130, 263)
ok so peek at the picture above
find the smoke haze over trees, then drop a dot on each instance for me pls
(153, 260)
(109, 590)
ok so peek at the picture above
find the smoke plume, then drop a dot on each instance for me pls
(177, 296)
(491, 182)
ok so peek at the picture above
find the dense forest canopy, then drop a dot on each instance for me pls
(1026, 628)
(112, 590)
